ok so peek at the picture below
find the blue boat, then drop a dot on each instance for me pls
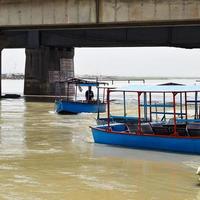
(118, 134)
(177, 131)
(74, 106)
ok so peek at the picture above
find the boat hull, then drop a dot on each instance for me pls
(163, 143)
(68, 107)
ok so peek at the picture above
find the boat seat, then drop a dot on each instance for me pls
(161, 130)
(193, 129)
(132, 127)
(182, 131)
(146, 128)
(156, 124)
(119, 128)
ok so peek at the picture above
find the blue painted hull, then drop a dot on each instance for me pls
(63, 107)
(163, 143)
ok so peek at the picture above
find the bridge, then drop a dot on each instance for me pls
(51, 29)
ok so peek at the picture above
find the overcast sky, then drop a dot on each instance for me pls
(138, 61)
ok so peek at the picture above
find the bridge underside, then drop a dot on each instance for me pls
(52, 28)
(173, 36)
(52, 42)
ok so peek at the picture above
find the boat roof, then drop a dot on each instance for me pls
(108, 87)
(158, 88)
(171, 83)
(84, 82)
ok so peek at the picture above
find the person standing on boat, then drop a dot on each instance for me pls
(89, 95)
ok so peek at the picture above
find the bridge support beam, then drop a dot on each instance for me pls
(39, 62)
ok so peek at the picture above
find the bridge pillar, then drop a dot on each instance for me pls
(0, 73)
(39, 62)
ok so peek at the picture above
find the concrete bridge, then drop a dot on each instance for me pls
(50, 29)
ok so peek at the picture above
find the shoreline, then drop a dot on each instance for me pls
(122, 78)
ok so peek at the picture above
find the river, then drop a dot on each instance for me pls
(45, 156)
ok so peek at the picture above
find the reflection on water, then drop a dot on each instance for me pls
(12, 128)
(48, 156)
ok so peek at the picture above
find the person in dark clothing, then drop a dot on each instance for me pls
(89, 95)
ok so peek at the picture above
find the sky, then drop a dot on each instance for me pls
(137, 61)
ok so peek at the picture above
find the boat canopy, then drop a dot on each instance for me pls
(83, 82)
(159, 88)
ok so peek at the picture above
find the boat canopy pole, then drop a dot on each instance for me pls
(150, 106)
(174, 107)
(199, 113)
(76, 93)
(139, 114)
(164, 109)
(103, 94)
(186, 106)
(124, 97)
(67, 91)
(181, 105)
(98, 103)
(156, 110)
(196, 106)
(108, 107)
(145, 106)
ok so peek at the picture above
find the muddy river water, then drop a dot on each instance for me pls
(45, 156)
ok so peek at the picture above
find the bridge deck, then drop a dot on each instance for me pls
(17, 13)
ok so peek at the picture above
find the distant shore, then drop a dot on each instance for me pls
(105, 77)
(13, 76)
(131, 78)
